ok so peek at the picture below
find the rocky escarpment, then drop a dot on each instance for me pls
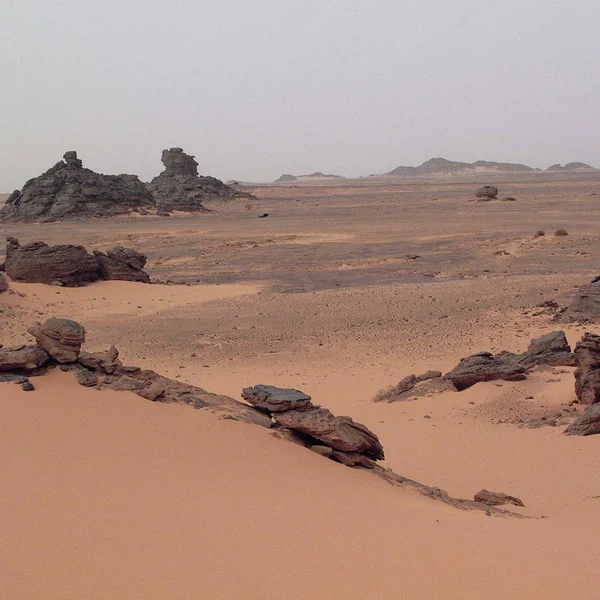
(180, 188)
(70, 191)
(71, 265)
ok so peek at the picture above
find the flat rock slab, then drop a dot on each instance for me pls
(275, 399)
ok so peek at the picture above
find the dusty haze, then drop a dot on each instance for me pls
(259, 89)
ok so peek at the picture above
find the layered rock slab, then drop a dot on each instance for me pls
(60, 338)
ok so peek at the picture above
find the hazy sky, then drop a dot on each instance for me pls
(257, 88)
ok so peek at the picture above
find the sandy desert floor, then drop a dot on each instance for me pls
(342, 290)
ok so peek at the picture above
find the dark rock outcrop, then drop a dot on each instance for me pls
(39, 263)
(339, 438)
(122, 263)
(584, 306)
(484, 366)
(180, 188)
(588, 423)
(487, 192)
(68, 191)
(274, 399)
(71, 265)
(22, 358)
(587, 374)
(496, 498)
(3, 284)
(60, 338)
(551, 349)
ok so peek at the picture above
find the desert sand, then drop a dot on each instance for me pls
(112, 496)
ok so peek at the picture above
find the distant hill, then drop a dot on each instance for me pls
(285, 178)
(442, 166)
(572, 166)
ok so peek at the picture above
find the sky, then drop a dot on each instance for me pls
(259, 88)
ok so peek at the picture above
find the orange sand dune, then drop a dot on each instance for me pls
(106, 495)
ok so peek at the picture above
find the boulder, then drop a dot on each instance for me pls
(487, 192)
(484, 366)
(588, 423)
(24, 358)
(587, 374)
(179, 187)
(551, 349)
(39, 263)
(423, 387)
(496, 498)
(122, 263)
(106, 362)
(3, 284)
(69, 191)
(340, 433)
(61, 338)
(269, 398)
(584, 306)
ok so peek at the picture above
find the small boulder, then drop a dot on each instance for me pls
(106, 362)
(496, 498)
(269, 398)
(588, 423)
(121, 263)
(484, 366)
(24, 358)
(487, 192)
(61, 338)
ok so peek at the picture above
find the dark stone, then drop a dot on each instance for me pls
(588, 423)
(27, 386)
(39, 263)
(269, 398)
(496, 498)
(122, 263)
(587, 374)
(484, 366)
(3, 284)
(487, 192)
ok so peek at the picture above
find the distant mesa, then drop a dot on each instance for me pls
(442, 166)
(572, 166)
(286, 178)
(70, 191)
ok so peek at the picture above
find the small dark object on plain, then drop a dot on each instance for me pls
(539, 233)
(263, 215)
(561, 232)
(27, 386)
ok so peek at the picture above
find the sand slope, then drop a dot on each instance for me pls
(106, 495)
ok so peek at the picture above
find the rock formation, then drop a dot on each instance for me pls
(484, 366)
(339, 438)
(71, 265)
(496, 498)
(588, 423)
(122, 263)
(551, 349)
(60, 338)
(68, 191)
(39, 263)
(3, 284)
(487, 192)
(584, 306)
(180, 188)
(22, 358)
(587, 374)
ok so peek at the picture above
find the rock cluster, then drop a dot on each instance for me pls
(180, 188)
(71, 265)
(339, 438)
(68, 190)
(487, 192)
(551, 349)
